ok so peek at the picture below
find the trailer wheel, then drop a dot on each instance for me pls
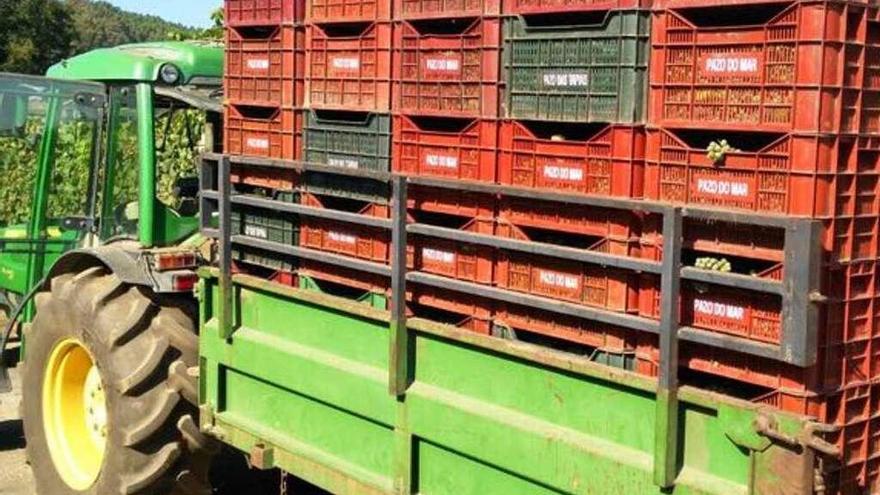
(108, 404)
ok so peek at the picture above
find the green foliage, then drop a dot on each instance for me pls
(99, 24)
(176, 158)
(18, 163)
(34, 34)
(178, 145)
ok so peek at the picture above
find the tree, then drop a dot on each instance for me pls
(34, 34)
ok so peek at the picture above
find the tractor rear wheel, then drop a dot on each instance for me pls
(109, 407)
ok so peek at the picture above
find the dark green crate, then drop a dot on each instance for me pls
(264, 259)
(341, 186)
(265, 225)
(372, 299)
(578, 73)
(348, 139)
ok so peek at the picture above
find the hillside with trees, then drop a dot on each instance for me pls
(35, 34)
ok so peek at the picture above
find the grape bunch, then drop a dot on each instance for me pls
(713, 264)
(717, 150)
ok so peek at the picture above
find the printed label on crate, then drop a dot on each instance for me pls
(255, 143)
(715, 309)
(255, 231)
(557, 79)
(345, 65)
(557, 172)
(708, 187)
(553, 282)
(341, 238)
(438, 256)
(343, 162)
(257, 64)
(441, 161)
(730, 65)
(442, 67)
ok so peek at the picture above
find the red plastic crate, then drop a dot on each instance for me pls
(454, 259)
(451, 202)
(723, 238)
(263, 132)
(749, 370)
(737, 312)
(263, 12)
(349, 68)
(567, 328)
(427, 9)
(265, 66)
(550, 6)
(339, 11)
(545, 215)
(467, 305)
(268, 178)
(792, 175)
(580, 283)
(447, 68)
(598, 160)
(446, 148)
(787, 67)
(853, 309)
(358, 241)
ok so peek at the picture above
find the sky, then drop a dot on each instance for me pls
(189, 12)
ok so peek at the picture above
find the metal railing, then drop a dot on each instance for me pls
(798, 290)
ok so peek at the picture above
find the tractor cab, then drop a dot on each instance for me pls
(102, 152)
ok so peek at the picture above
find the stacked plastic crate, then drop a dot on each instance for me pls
(347, 125)
(574, 90)
(772, 108)
(446, 102)
(264, 81)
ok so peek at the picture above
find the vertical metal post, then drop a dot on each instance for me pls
(207, 182)
(224, 189)
(800, 312)
(666, 440)
(400, 358)
(399, 373)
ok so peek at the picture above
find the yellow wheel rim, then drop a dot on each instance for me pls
(74, 414)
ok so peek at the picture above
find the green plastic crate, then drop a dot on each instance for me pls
(372, 299)
(263, 259)
(348, 139)
(340, 186)
(578, 73)
(265, 225)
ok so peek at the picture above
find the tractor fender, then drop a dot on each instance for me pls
(126, 264)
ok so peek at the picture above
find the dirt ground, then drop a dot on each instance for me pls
(230, 477)
(15, 475)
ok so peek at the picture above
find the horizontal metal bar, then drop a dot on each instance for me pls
(211, 232)
(730, 343)
(309, 211)
(211, 195)
(733, 280)
(743, 217)
(537, 302)
(301, 166)
(311, 254)
(537, 248)
(541, 194)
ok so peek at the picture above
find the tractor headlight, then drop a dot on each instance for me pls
(169, 74)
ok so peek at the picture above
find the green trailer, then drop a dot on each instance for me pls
(359, 400)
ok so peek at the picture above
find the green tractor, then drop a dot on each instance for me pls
(98, 249)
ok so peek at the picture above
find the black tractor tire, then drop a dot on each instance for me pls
(143, 346)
